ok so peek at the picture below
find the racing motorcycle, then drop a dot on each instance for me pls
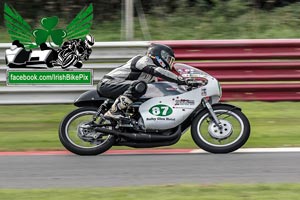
(159, 118)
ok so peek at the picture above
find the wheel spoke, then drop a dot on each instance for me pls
(81, 132)
(77, 133)
(231, 129)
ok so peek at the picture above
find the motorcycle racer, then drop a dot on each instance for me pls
(82, 49)
(128, 82)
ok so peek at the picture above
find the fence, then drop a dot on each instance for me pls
(266, 70)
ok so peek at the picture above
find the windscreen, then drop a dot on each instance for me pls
(189, 72)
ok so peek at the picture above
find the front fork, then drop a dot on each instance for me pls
(212, 113)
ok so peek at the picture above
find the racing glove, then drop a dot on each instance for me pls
(181, 80)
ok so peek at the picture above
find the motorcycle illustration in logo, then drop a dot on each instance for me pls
(58, 47)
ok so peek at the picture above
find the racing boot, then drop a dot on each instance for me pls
(117, 109)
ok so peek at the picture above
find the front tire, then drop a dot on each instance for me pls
(76, 135)
(234, 133)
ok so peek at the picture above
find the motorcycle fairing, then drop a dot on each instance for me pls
(162, 88)
(19, 57)
(39, 56)
(167, 112)
(16, 56)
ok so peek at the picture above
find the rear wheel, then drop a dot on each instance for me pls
(233, 134)
(77, 133)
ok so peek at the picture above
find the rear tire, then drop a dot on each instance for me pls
(233, 135)
(69, 136)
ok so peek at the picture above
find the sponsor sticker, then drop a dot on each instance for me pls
(185, 102)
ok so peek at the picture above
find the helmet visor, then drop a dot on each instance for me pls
(171, 61)
(89, 41)
(168, 58)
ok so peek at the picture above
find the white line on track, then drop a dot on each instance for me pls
(258, 150)
(155, 151)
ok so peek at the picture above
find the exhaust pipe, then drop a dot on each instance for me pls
(143, 137)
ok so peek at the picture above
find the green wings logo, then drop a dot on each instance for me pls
(19, 29)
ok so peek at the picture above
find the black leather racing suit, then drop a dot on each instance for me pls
(131, 78)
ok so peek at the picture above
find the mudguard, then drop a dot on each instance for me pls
(90, 98)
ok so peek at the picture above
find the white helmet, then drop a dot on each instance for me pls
(89, 40)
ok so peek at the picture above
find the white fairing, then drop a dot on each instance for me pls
(41, 55)
(35, 56)
(165, 112)
(11, 53)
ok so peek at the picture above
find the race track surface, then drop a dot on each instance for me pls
(130, 170)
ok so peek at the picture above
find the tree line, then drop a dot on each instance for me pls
(33, 10)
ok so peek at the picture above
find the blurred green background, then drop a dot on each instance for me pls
(169, 20)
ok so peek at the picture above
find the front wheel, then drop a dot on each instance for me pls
(77, 133)
(233, 133)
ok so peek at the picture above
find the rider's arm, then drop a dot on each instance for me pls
(146, 65)
(70, 44)
(164, 74)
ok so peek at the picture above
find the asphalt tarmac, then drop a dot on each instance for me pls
(56, 171)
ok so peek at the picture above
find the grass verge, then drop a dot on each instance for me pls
(174, 192)
(35, 127)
